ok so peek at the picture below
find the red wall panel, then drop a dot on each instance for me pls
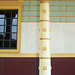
(21, 66)
(63, 66)
(29, 66)
(3, 65)
(18, 66)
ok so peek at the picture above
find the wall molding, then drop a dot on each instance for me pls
(62, 54)
(11, 3)
(36, 54)
(19, 55)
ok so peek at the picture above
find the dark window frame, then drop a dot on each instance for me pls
(9, 18)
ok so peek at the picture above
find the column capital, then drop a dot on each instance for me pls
(44, 1)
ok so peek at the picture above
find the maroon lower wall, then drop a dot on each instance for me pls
(18, 66)
(29, 66)
(63, 66)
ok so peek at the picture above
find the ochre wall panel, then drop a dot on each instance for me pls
(8, 0)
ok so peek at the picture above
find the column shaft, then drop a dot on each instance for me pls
(44, 57)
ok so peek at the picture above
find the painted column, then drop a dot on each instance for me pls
(44, 57)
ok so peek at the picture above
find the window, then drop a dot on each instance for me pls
(8, 29)
(10, 26)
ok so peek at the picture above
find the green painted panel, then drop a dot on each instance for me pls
(25, 8)
(34, 2)
(58, 13)
(24, 18)
(26, 2)
(63, 8)
(54, 19)
(62, 3)
(62, 14)
(54, 8)
(34, 18)
(63, 19)
(34, 7)
(25, 13)
(70, 13)
(35, 13)
(71, 19)
(70, 8)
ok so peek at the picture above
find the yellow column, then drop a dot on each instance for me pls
(44, 58)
